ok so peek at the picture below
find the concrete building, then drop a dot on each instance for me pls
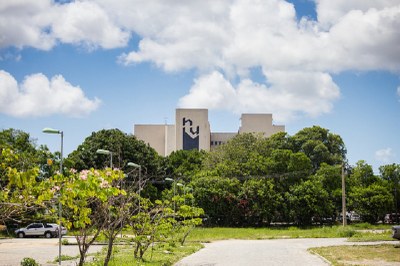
(192, 131)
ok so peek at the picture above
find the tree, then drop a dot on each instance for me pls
(184, 163)
(371, 202)
(330, 177)
(125, 148)
(229, 160)
(154, 223)
(218, 197)
(391, 173)
(320, 146)
(18, 191)
(85, 202)
(258, 201)
(362, 175)
(309, 199)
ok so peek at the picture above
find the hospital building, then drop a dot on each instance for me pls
(192, 131)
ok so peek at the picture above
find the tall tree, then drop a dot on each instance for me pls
(391, 173)
(125, 148)
(320, 146)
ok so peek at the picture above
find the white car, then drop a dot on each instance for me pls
(40, 229)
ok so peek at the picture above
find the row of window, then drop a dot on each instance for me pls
(216, 142)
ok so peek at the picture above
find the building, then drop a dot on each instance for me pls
(192, 131)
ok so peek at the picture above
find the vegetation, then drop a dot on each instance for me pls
(360, 255)
(251, 181)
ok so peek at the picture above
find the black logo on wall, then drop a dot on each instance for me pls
(190, 135)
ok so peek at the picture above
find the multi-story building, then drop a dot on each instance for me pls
(192, 131)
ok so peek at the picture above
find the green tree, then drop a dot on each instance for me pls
(184, 163)
(391, 173)
(125, 148)
(320, 146)
(362, 175)
(331, 179)
(18, 191)
(84, 197)
(230, 159)
(258, 201)
(309, 199)
(371, 202)
(218, 198)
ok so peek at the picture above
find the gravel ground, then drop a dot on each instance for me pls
(43, 250)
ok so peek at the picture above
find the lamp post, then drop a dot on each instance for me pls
(140, 176)
(48, 130)
(344, 216)
(106, 152)
(174, 184)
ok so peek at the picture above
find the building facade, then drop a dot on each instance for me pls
(192, 131)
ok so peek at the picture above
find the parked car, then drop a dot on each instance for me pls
(63, 230)
(355, 217)
(391, 218)
(396, 232)
(47, 230)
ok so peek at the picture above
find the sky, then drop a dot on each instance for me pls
(82, 66)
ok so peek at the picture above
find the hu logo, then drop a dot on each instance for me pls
(190, 135)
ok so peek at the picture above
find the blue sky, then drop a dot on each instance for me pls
(81, 66)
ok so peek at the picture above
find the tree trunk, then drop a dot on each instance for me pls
(109, 250)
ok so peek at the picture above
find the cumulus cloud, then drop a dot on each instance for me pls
(39, 96)
(223, 41)
(385, 155)
(291, 93)
(42, 23)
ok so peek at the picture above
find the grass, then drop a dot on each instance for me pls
(360, 255)
(161, 255)
(353, 232)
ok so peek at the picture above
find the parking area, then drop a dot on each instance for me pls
(43, 250)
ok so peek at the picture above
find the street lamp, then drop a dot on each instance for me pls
(140, 176)
(106, 152)
(174, 184)
(48, 130)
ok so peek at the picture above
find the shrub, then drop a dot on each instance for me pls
(29, 262)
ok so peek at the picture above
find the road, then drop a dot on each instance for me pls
(43, 250)
(277, 252)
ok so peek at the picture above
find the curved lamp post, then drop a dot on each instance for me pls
(140, 176)
(106, 152)
(174, 184)
(48, 130)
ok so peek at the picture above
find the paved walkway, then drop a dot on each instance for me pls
(277, 252)
(43, 250)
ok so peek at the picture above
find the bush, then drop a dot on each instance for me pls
(346, 232)
(29, 262)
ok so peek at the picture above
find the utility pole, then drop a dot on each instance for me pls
(344, 217)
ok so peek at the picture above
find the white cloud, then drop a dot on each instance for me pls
(289, 94)
(330, 12)
(398, 91)
(385, 155)
(228, 39)
(39, 96)
(42, 23)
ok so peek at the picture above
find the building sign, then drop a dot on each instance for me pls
(190, 135)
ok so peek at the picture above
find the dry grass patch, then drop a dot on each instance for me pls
(380, 255)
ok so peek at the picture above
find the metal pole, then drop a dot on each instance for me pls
(59, 201)
(140, 183)
(174, 197)
(343, 197)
